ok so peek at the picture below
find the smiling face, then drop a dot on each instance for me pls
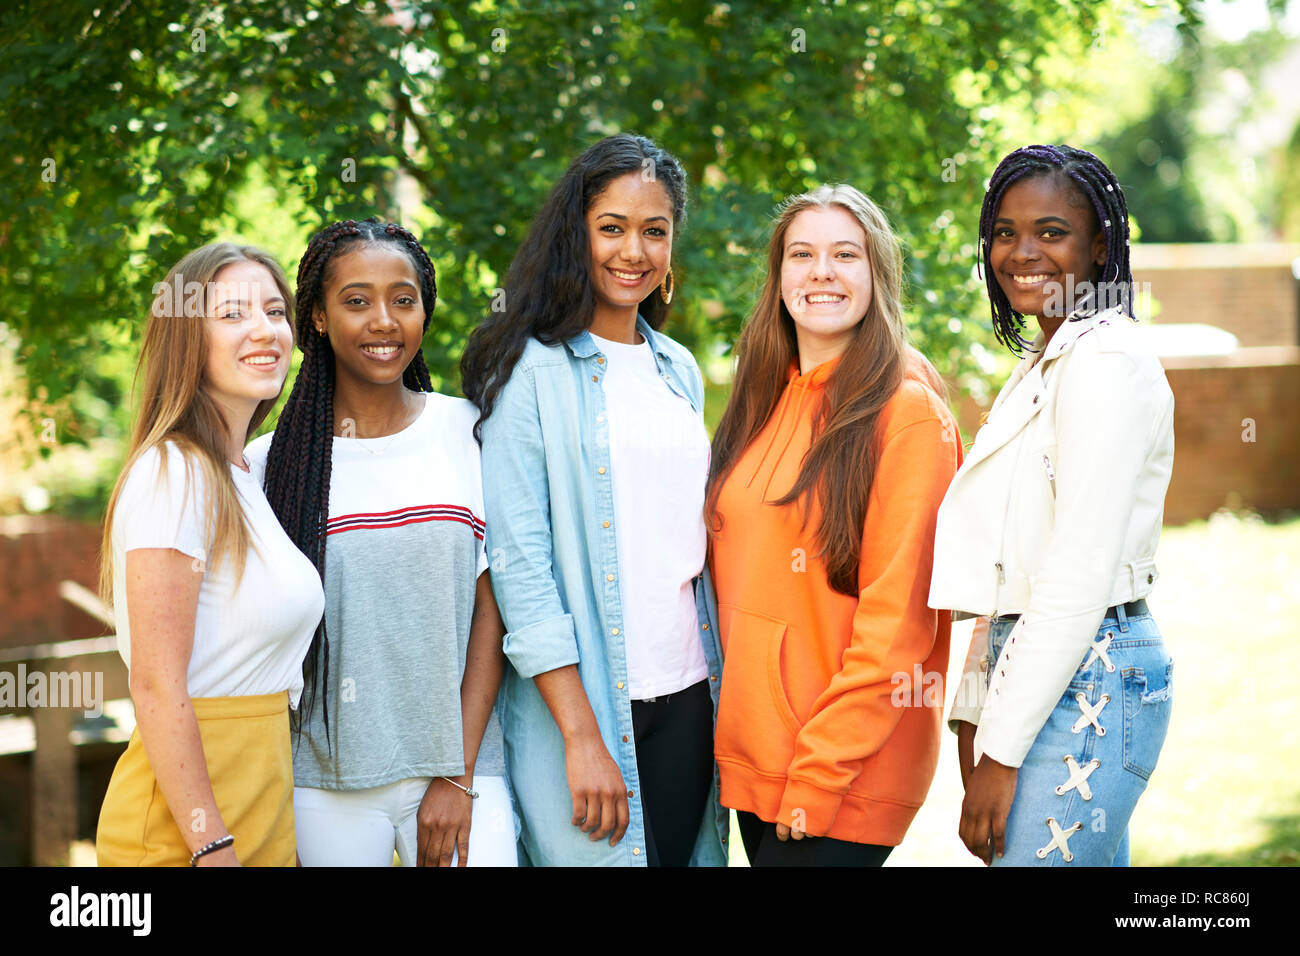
(249, 338)
(1045, 245)
(630, 232)
(373, 314)
(825, 280)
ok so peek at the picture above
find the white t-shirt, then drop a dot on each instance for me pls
(250, 634)
(659, 460)
(404, 548)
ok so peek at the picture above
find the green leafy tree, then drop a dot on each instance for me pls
(135, 131)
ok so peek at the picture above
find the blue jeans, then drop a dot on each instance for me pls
(1078, 785)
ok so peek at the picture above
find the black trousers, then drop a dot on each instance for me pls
(764, 849)
(674, 759)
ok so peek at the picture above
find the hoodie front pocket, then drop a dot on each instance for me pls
(756, 724)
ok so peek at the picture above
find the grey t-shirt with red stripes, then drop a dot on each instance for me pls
(404, 549)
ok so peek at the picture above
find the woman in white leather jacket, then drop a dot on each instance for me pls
(1048, 531)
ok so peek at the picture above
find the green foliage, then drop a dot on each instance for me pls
(171, 124)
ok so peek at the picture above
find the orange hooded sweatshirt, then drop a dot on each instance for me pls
(831, 705)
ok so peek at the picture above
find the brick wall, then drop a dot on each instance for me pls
(36, 553)
(1248, 290)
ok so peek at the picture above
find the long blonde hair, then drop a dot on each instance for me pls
(841, 461)
(174, 404)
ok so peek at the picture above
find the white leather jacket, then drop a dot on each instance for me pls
(1054, 515)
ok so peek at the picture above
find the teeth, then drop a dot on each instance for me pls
(824, 297)
(261, 360)
(1028, 280)
(627, 275)
(380, 349)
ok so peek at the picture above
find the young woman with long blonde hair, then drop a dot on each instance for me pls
(828, 468)
(215, 607)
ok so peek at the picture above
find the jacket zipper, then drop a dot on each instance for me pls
(1051, 473)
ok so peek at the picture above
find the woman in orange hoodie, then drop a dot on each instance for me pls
(828, 468)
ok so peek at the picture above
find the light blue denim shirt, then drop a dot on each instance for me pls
(553, 546)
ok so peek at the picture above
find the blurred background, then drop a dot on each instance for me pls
(133, 133)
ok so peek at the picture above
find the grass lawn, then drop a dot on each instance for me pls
(1226, 792)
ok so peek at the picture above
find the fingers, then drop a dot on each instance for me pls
(607, 819)
(999, 835)
(424, 834)
(782, 832)
(462, 847)
(624, 815)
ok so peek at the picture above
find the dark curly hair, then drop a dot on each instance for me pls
(548, 291)
(1098, 187)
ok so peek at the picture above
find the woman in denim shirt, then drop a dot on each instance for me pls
(595, 458)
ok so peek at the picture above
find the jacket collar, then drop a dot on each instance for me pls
(583, 345)
(1025, 395)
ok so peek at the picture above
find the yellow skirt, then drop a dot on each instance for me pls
(246, 746)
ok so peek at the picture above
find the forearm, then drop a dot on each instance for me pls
(567, 701)
(170, 734)
(485, 663)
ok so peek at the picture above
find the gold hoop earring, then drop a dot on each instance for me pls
(667, 287)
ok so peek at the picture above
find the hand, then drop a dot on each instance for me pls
(784, 833)
(223, 857)
(989, 791)
(442, 823)
(597, 788)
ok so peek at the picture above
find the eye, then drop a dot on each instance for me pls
(656, 231)
(1002, 232)
(278, 311)
(797, 253)
(1052, 232)
(236, 315)
(846, 252)
(608, 226)
(406, 300)
(354, 300)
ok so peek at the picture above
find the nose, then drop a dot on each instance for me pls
(631, 249)
(263, 327)
(1026, 248)
(823, 267)
(382, 318)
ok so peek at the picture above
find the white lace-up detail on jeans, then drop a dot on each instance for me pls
(1078, 778)
(1090, 713)
(1060, 840)
(1099, 650)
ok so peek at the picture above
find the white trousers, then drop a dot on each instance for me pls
(364, 827)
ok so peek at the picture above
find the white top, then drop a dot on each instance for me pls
(250, 634)
(1055, 515)
(659, 463)
(404, 552)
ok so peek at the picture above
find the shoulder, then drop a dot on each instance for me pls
(1115, 354)
(537, 354)
(454, 414)
(162, 477)
(914, 403)
(677, 352)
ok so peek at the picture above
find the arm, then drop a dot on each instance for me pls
(969, 699)
(443, 820)
(162, 594)
(1106, 419)
(893, 630)
(540, 640)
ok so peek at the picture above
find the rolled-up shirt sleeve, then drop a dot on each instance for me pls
(969, 699)
(540, 634)
(1107, 415)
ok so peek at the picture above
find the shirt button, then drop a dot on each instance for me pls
(600, 360)
(625, 738)
(600, 419)
(596, 378)
(636, 851)
(614, 631)
(724, 839)
(609, 577)
(713, 677)
(619, 685)
(600, 470)
(706, 627)
(604, 524)
(631, 794)
(1150, 578)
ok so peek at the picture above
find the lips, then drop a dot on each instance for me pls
(261, 360)
(1029, 280)
(630, 278)
(824, 298)
(382, 351)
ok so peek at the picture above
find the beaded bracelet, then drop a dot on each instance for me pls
(472, 794)
(218, 844)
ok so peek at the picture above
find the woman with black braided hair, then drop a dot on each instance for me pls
(1049, 530)
(376, 478)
